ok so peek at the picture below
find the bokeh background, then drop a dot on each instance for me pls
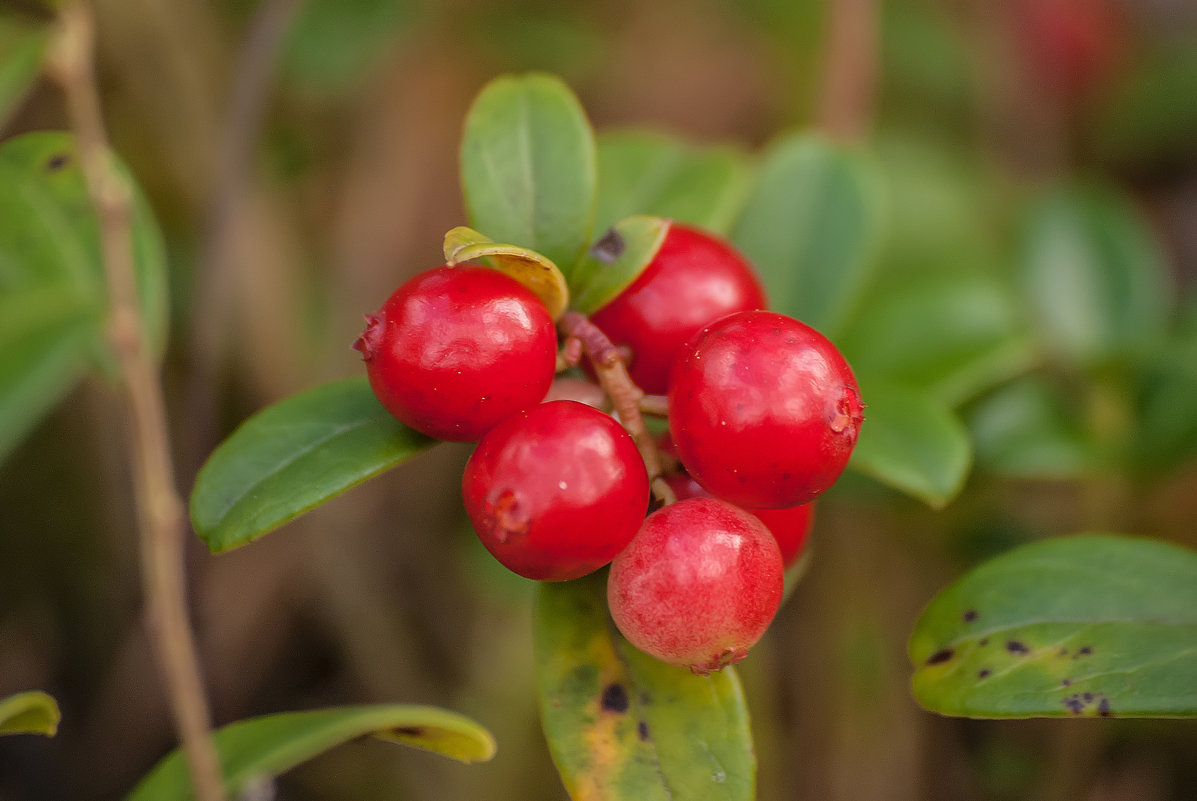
(301, 158)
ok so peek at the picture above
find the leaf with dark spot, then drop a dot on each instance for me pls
(1119, 613)
(609, 247)
(940, 656)
(615, 698)
(698, 725)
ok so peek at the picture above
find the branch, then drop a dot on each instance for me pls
(160, 510)
(626, 396)
(846, 100)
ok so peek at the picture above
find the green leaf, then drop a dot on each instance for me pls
(1166, 432)
(616, 261)
(912, 442)
(622, 725)
(331, 45)
(23, 44)
(811, 226)
(293, 456)
(534, 271)
(49, 236)
(528, 166)
(953, 335)
(1030, 429)
(31, 712)
(45, 336)
(253, 749)
(1094, 624)
(648, 173)
(1093, 277)
(52, 285)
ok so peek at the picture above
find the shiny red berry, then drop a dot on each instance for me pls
(790, 527)
(694, 278)
(763, 410)
(557, 491)
(698, 586)
(457, 349)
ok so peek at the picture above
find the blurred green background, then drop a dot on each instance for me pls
(301, 158)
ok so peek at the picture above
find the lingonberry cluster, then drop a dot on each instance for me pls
(763, 413)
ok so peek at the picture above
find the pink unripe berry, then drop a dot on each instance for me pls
(698, 585)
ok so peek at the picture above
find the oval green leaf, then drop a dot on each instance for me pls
(293, 456)
(263, 747)
(23, 44)
(912, 442)
(616, 260)
(648, 173)
(45, 337)
(528, 166)
(624, 726)
(49, 237)
(1090, 625)
(31, 712)
(811, 225)
(953, 335)
(1093, 277)
(1030, 428)
(528, 267)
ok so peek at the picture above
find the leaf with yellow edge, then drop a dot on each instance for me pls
(272, 744)
(536, 272)
(623, 726)
(32, 712)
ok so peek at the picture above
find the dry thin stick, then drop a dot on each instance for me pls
(849, 82)
(626, 396)
(160, 510)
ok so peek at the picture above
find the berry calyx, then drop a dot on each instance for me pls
(554, 493)
(698, 585)
(694, 278)
(764, 410)
(456, 349)
(790, 527)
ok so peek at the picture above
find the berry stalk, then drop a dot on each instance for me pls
(613, 377)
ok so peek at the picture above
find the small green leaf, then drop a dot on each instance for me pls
(952, 335)
(49, 236)
(528, 267)
(1028, 429)
(624, 726)
(1165, 415)
(293, 456)
(45, 337)
(616, 260)
(912, 442)
(647, 173)
(23, 44)
(31, 712)
(1090, 625)
(811, 225)
(266, 746)
(528, 166)
(329, 46)
(1093, 277)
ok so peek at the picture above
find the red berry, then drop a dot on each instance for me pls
(698, 586)
(457, 349)
(790, 527)
(764, 410)
(557, 491)
(694, 278)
